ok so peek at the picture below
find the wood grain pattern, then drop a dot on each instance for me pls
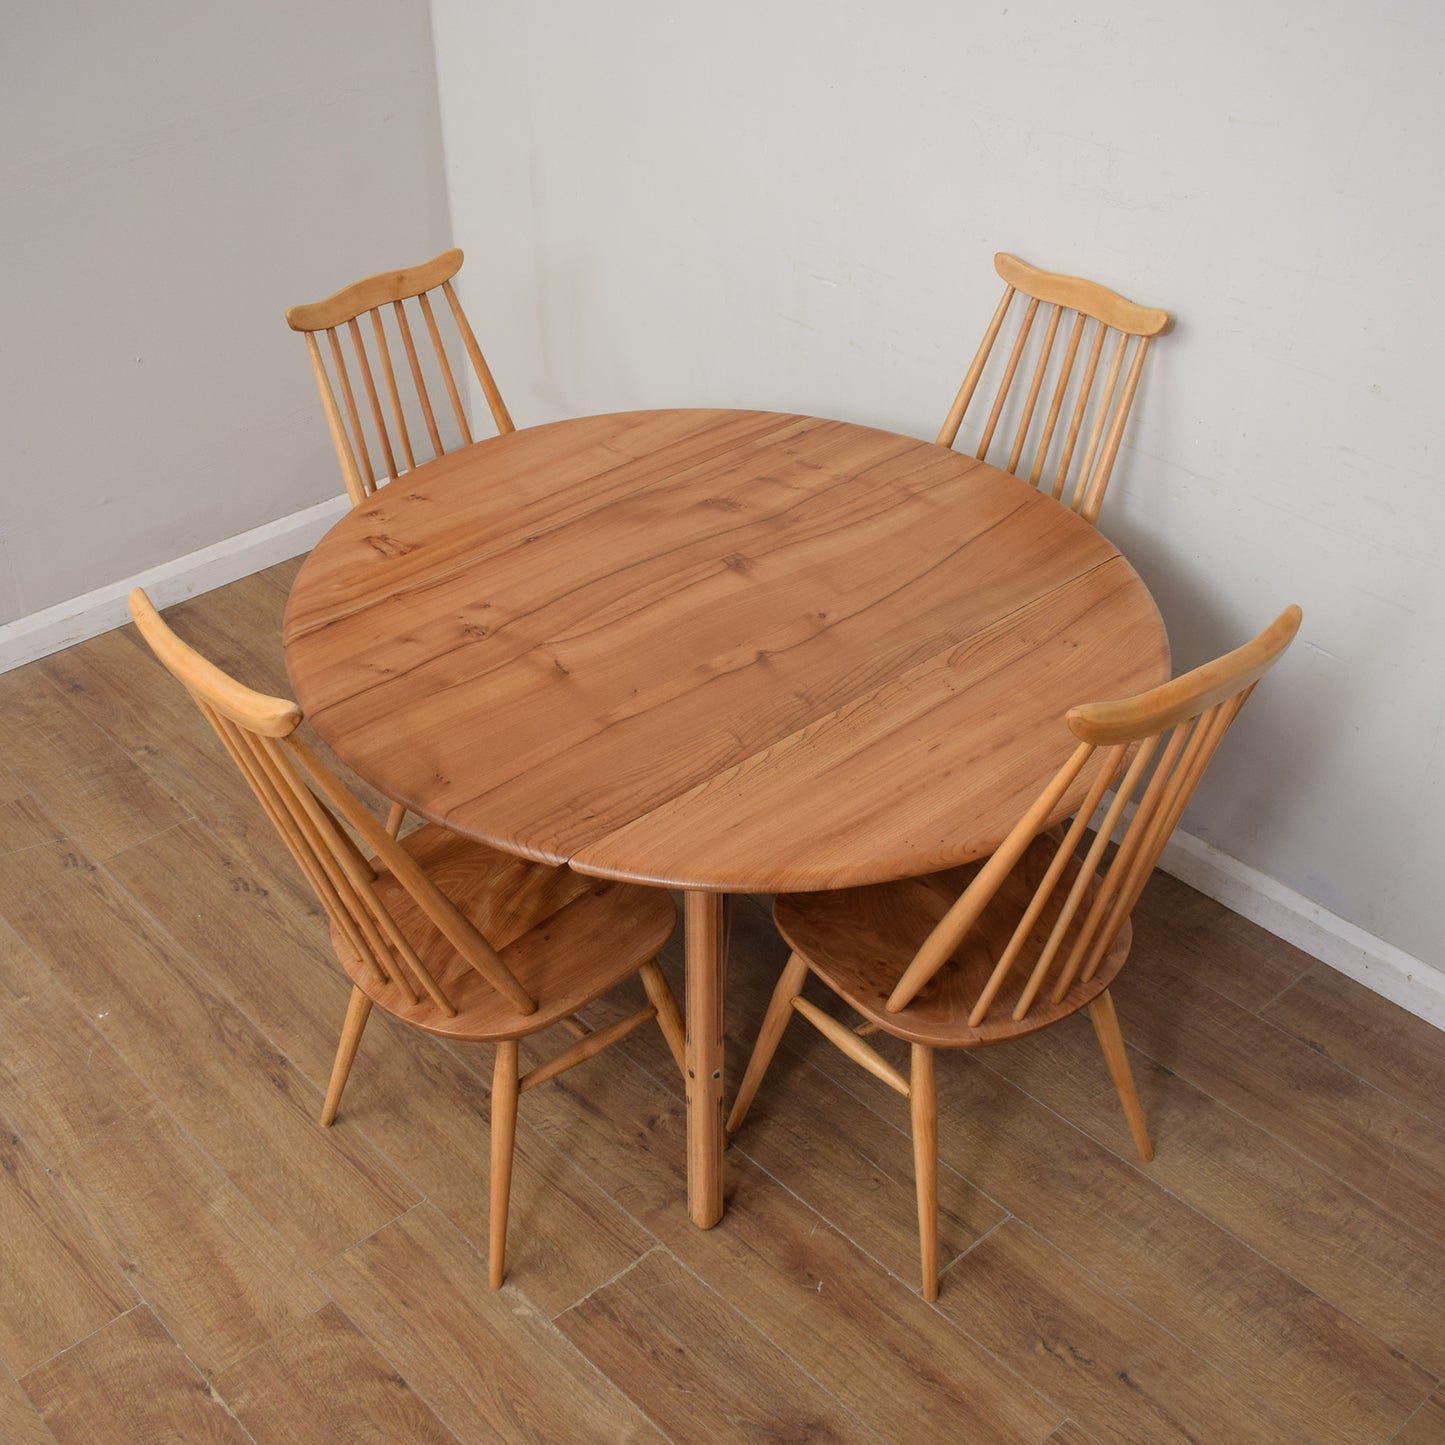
(1388, 1151)
(325, 1378)
(215, 1273)
(805, 1284)
(1366, 1035)
(56, 1284)
(1427, 1425)
(1116, 1372)
(320, 1195)
(84, 780)
(105, 682)
(669, 616)
(200, 889)
(20, 1422)
(1158, 1253)
(129, 1382)
(1070, 1434)
(673, 1337)
(25, 824)
(490, 1366)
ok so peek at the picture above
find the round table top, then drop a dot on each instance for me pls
(723, 650)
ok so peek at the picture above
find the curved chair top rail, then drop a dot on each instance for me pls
(1103, 723)
(1074, 293)
(272, 717)
(373, 291)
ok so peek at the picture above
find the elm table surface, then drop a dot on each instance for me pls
(719, 651)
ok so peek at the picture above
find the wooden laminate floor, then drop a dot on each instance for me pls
(185, 1255)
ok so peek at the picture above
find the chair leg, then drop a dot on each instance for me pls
(1111, 1041)
(780, 1010)
(923, 1107)
(659, 995)
(504, 1137)
(358, 1010)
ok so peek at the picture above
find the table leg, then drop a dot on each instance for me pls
(705, 924)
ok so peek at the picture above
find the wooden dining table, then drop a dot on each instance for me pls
(715, 651)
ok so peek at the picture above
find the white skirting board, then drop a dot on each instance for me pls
(1389, 971)
(1378, 965)
(58, 627)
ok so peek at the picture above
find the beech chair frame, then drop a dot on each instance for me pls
(406, 944)
(1038, 931)
(1095, 414)
(370, 298)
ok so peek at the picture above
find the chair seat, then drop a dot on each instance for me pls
(543, 920)
(860, 940)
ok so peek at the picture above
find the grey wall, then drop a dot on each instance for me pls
(174, 174)
(793, 205)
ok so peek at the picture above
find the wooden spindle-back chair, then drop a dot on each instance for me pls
(1065, 429)
(989, 952)
(447, 935)
(391, 435)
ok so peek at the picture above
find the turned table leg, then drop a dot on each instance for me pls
(705, 924)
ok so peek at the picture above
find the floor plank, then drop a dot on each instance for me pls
(56, 1282)
(1427, 1425)
(84, 780)
(566, 1235)
(1309, 1222)
(1118, 1373)
(678, 1343)
(114, 684)
(20, 1422)
(190, 1244)
(1178, 925)
(1387, 1150)
(1366, 1034)
(129, 1382)
(492, 1367)
(324, 1381)
(801, 1282)
(240, 1096)
(1174, 1263)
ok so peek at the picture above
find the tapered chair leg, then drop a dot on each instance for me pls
(780, 1010)
(1111, 1041)
(358, 1010)
(923, 1107)
(504, 1139)
(659, 995)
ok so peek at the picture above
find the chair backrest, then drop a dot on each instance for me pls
(372, 298)
(306, 802)
(1156, 747)
(1072, 461)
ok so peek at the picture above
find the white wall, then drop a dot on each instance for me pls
(174, 174)
(793, 205)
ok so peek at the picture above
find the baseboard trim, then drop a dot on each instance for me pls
(42, 633)
(1380, 966)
